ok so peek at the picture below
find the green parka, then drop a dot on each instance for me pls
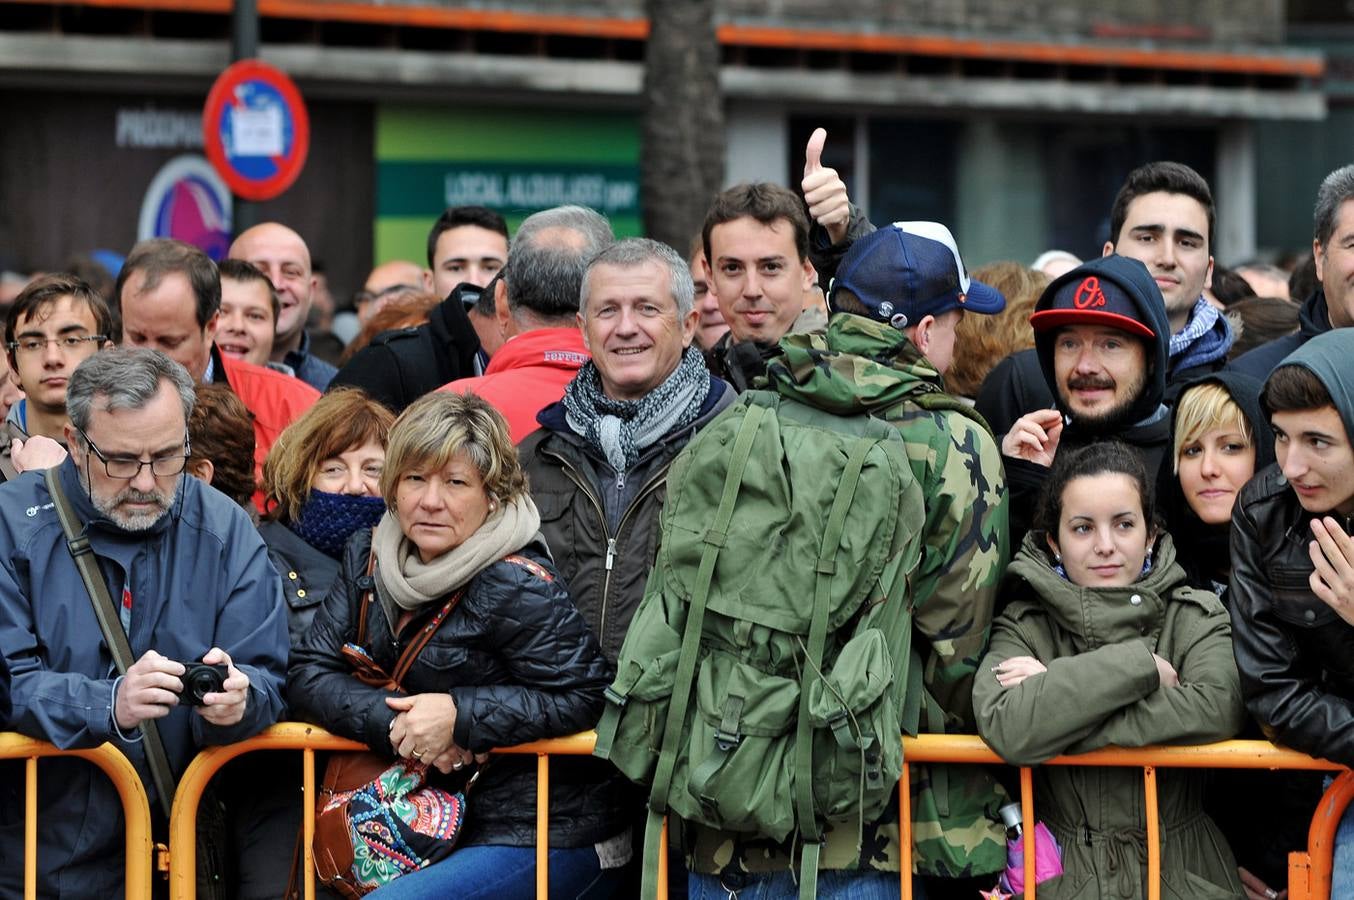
(1102, 689)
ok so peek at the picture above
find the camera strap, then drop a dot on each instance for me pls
(111, 626)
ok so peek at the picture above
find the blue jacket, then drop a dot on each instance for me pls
(199, 578)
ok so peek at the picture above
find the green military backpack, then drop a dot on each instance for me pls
(768, 673)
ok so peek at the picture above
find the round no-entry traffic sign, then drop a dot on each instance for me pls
(256, 129)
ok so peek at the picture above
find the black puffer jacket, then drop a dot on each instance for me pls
(1295, 654)
(517, 658)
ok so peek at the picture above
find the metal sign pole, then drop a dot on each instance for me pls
(244, 44)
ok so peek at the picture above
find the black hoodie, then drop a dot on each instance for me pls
(1150, 431)
(1204, 550)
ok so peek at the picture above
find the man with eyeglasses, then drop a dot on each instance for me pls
(191, 580)
(56, 323)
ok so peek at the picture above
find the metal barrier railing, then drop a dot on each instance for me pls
(135, 807)
(310, 738)
(1309, 870)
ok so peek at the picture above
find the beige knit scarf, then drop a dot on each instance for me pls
(411, 583)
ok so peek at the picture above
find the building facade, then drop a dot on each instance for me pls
(1013, 121)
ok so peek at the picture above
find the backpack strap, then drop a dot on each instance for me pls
(825, 568)
(686, 664)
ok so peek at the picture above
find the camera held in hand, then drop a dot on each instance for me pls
(202, 679)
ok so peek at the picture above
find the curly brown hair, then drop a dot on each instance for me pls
(983, 341)
(221, 431)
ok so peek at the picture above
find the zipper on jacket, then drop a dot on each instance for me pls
(659, 477)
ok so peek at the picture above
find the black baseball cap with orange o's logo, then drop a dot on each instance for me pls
(1096, 293)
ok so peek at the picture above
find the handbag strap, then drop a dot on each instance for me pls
(425, 634)
(366, 595)
(111, 625)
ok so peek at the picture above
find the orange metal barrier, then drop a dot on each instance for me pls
(135, 807)
(1309, 871)
(308, 739)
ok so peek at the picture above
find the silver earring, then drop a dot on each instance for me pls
(1058, 558)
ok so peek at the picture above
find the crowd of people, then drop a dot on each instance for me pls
(1133, 532)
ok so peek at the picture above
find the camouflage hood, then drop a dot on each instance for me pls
(857, 366)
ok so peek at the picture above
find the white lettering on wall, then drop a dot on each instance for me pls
(153, 128)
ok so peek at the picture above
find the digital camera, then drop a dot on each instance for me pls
(200, 680)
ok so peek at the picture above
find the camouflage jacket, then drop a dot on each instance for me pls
(863, 366)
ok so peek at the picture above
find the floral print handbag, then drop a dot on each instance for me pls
(377, 818)
(388, 825)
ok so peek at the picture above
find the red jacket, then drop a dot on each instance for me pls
(275, 400)
(527, 374)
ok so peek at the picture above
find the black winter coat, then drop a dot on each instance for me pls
(400, 366)
(307, 575)
(518, 660)
(1314, 319)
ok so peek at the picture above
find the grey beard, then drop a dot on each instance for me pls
(135, 521)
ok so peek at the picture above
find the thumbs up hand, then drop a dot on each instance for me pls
(824, 190)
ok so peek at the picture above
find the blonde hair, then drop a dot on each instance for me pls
(341, 420)
(1201, 409)
(438, 426)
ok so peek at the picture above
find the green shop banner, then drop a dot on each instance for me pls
(516, 161)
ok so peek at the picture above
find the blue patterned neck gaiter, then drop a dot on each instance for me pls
(328, 520)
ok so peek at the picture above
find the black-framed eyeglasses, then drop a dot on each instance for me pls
(125, 469)
(69, 342)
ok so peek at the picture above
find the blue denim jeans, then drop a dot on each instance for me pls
(1342, 867)
(488, 871)
(832, 885)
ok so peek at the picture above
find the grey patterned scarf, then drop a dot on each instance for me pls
(620, 429)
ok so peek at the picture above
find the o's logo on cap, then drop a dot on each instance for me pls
(1088, 294)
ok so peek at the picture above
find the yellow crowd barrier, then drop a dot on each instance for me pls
(135, 807)
(1309, 871)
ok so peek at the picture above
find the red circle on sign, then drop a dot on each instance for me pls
(294, 159)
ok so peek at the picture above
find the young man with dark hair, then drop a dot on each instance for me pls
(1163, 217)
(469, 245)
(461, 247)
(55, 323)
(1292, 582)
(756, 239)
(249, 310)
